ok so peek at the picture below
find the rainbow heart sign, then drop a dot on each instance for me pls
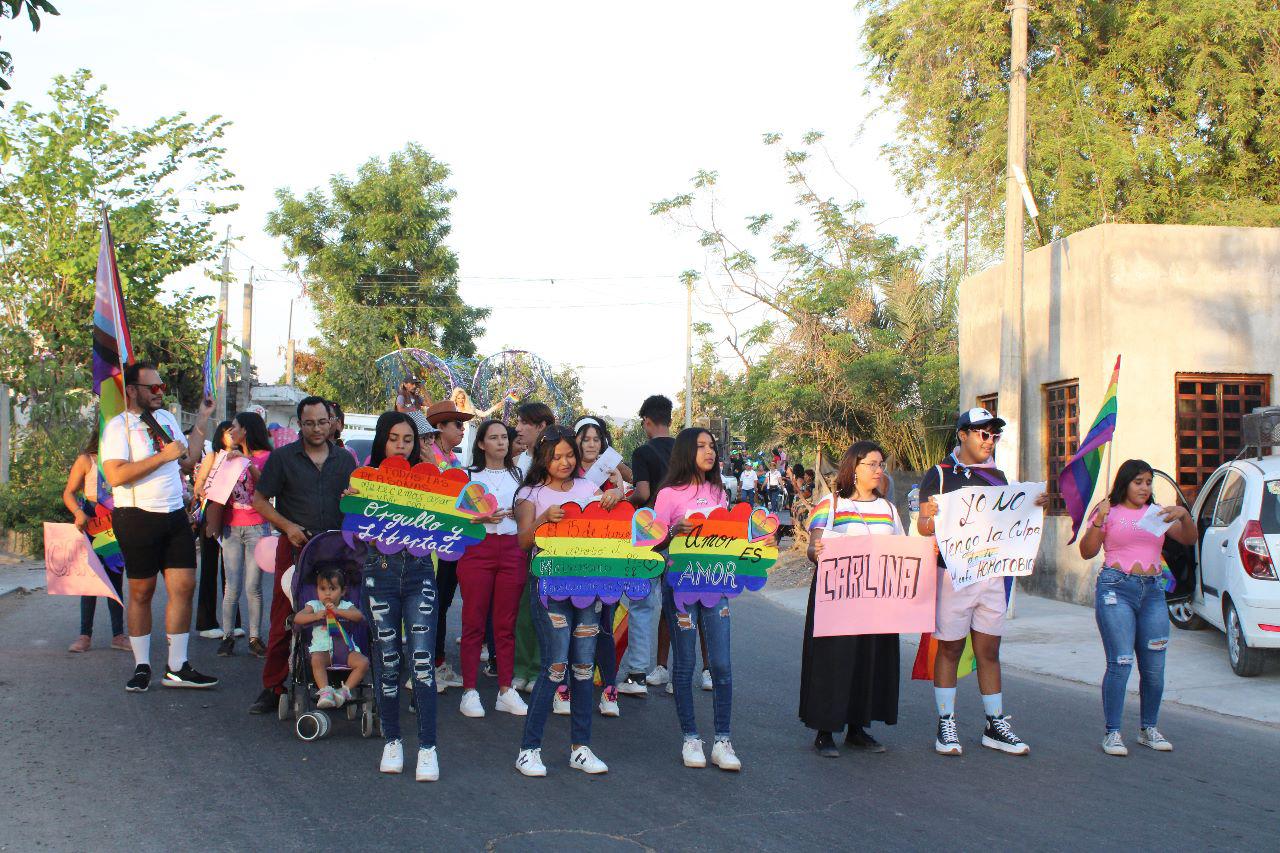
(597, 553)
(102, 537)
(397, 507)
(475, 501)
(721, 555)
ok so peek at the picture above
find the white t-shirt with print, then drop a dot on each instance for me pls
(127, 438)
(502, 485)
(749, 479)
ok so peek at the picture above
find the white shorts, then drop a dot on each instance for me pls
(980, 606)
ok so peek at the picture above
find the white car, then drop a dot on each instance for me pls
(1229, 579)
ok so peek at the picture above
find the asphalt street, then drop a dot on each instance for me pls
(85, 765)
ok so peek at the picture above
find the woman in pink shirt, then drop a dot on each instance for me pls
(1129, 604)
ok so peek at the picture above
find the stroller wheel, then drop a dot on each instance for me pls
(282, 709)
(353, 710)
(367, 723)
(312, 725)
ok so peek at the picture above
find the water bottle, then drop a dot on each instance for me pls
(913, 499)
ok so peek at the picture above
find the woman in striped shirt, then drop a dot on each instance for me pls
(850, 681)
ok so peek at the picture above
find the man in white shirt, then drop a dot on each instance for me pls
(773, 487)
(144, 455)
(748, 484)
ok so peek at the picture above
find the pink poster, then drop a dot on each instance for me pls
(223, 477)
(70, 566)
(875, 585)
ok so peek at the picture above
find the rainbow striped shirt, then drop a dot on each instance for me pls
(851, 516)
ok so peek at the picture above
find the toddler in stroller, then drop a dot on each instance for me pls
(327, 609)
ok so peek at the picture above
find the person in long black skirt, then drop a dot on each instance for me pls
(850, 681)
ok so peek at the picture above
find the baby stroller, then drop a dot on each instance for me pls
(312, 723)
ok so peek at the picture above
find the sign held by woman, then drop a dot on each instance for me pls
(875, 585)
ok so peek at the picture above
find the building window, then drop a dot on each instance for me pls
(1062, 433)
(1209, 430)
(990, 402)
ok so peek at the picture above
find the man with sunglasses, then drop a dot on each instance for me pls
(144, 456)
(976, 610)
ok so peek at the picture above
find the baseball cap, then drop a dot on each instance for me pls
(978, 417)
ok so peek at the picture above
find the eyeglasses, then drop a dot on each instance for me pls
(320, 424)
(157, 388)
(875, 466)
(987, 436)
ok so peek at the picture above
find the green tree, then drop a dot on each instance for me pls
(1159, 111)
(15, 9)
(372, 250)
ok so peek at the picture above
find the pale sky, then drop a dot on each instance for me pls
(561, 122)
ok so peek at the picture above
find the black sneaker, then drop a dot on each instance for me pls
(227, 647)
(998, 735)
(948, 742)
(141, 679)
(825, 745)
(491, 669)
(634, 685)
(188, 677)
(268, 702)
(860, 738)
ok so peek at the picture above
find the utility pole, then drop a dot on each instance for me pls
(688, 350)
(288, 351)
(246, 360)
(223, 297)
(1011, 325)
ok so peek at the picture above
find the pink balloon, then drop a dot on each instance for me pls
(265, 553)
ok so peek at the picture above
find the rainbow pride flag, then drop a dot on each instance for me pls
(922, 669)
(336, 631)
(112, 347)
(213, 361)
(1080, 475)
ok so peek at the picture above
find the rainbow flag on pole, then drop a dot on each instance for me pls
(213, 361)
(112, 347)
(1080, 475)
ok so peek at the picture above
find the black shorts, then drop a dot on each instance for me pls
(153, 541)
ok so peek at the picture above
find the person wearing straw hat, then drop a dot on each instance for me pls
(449, 422)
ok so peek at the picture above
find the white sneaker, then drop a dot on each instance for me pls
(529, 762)
(1113, 745)
(1150, 736)
(517, 684)
(213, 634)
(340, 696)
(328, 698)
(658, 677)
(470, 706)
(585, 760)
(484, 654)
(609, 703)
(706, 680)
(560, 703)
(692, 753)
(238, 632)
(446, 676)
(511, 703)
(722, 756)
(428, 765)
(392, 758)
(670, 689)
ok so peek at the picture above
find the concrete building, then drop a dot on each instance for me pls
(1193, 310)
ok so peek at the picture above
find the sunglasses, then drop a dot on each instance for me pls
(158, 388)
(987, 436)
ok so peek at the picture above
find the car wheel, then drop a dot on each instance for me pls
(1245, 662)
(1184, 617)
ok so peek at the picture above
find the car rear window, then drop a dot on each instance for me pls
(1271, 507)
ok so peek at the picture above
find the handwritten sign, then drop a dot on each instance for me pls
(70, 566)
(596, 553)
(397, 508)
(102, 538)
(875, 585)
(608, 461)
(223, 476)
(989, 531)
(722, 555)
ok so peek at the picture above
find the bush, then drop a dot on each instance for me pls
(33, 494)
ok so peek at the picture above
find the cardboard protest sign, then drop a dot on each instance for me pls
(875, 585)
(722, 555)
(598, 473)
(70, 566)
(989, 531)
(421, 509)
(597, 553)
(102, 538)
(223, 476)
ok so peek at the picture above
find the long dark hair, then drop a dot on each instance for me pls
(91, 446)
(602, 430)
(1130, 471)
(544, 450)
(478, 462)
(382, 431)
(255, 431)
(845, 477)
(219, 434)
(683, 469)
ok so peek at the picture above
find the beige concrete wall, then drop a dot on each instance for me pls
(1168, 298)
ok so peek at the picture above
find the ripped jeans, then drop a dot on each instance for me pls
(399, 598)
(714, 623)
(1133, 620)
(567, 642)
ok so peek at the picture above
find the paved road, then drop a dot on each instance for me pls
(87, 766)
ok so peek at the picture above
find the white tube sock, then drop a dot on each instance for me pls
(945, 699)
(177, 651)
(141, 649)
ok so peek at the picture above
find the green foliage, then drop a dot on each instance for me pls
(856, 338)
(15, 9)
(1161, 111)
(33, 494)
(60, 168)
(373, 252)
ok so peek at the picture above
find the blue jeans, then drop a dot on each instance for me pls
(684, 656)
(567, 642)
(749, 496)
(775, 499)
(642, 631)
(1133, 620)
(240, 569)
(400, 599)
(606, 651)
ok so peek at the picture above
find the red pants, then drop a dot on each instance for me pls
(275, 669)
(494, 572)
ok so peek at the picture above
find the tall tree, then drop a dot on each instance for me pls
(1159, 111)
(373, 252)
(31, 9)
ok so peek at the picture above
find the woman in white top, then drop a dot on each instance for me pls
(492, 573)
(850, 681)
